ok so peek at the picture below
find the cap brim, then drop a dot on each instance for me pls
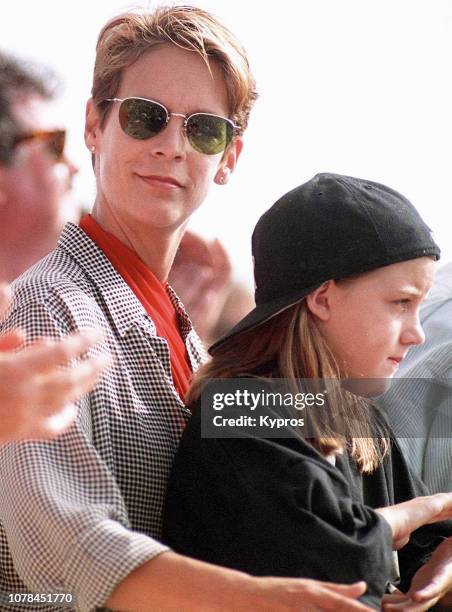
(262, 313)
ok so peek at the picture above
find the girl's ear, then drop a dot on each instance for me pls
(319, 301)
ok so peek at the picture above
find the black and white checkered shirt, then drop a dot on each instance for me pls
(80, 513)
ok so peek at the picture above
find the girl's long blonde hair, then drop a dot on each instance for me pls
(291, 346)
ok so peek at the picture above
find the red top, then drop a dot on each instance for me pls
(151, 293)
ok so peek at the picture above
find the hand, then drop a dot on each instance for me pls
(305, 594)
(430, 584)
(36, 394)
(406, 517)
(172, 582)
(201, 275)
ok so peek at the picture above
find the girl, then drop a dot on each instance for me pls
(341, 268)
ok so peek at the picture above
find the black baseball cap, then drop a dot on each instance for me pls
(331, 227)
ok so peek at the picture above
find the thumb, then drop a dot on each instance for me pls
(5, 297)
(11, 340)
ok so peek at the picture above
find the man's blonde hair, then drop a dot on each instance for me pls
(125, 38)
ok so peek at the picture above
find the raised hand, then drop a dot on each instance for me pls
(36, 393)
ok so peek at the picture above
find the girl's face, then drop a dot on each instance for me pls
(371, 321)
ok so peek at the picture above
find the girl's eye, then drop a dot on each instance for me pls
(403, 304)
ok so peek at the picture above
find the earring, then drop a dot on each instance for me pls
(224, 176)
(93, 149)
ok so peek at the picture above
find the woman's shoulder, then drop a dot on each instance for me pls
(55, 292)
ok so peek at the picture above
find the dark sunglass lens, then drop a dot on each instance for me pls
(141, 118)
(56, 143)
(209, 134)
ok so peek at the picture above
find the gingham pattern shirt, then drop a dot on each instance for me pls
(79, 513)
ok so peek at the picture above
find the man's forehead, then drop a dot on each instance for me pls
(34, 113)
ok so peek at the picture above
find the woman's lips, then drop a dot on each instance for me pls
(162, 182)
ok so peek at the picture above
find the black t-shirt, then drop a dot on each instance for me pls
(277, 507)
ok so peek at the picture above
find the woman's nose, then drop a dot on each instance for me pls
(171, 141)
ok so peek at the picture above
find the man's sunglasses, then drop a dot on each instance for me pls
(54, 141)
(141, 118)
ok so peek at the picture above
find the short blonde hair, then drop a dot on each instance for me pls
(125, 38)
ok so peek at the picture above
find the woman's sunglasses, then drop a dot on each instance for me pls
(141, 118)
(54, 141)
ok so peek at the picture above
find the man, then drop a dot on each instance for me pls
(35, 176)
(35, 202)
(419, 404)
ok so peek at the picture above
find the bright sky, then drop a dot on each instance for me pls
(359, 87)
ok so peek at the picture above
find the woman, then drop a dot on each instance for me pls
(341, 268)
(171, 95)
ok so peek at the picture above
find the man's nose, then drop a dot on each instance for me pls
(73, 168)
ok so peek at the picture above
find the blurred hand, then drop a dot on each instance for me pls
(406, 517)
(201, 275)
(36, 394)
(431, 584)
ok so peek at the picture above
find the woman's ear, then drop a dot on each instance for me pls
(91, 125)
(229, 161)
(319, 301)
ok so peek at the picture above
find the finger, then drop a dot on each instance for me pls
(56, 424)
(394, 595)
(393, 598)
(435, 589)
(399, 543)
(65, 386)
(44, 356)
(221, 266)
(194, 247)
(445, 500)
(11, 340)
(220, 257)
(62, 420)
(5, 298)
(409, 606)
(424, 587)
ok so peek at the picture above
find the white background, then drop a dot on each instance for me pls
(360, 87)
